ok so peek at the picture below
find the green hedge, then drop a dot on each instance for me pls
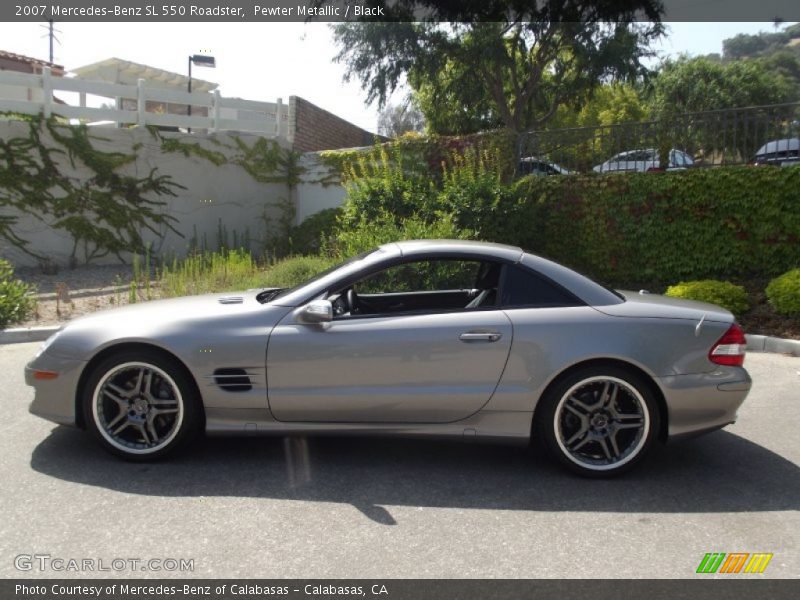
(706, 223)
(624, 229)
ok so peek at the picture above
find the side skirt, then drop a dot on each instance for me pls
(504, 427)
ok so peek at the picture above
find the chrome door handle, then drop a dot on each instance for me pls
(474, 336)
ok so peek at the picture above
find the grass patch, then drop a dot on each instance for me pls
(234, 270)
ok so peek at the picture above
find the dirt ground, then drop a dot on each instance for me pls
(71, 293)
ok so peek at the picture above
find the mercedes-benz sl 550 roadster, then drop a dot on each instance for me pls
(441, 338)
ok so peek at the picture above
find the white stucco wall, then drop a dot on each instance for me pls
(212, 193)
(320, 188)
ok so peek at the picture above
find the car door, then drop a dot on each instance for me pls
(428, 365)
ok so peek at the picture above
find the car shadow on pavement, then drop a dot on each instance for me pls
(721, 472)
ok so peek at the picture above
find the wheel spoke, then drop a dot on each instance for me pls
(609, 396)
(612, 438)
(582, 431)
(604, 445)
(143, 431)
(120, 428)
(122, 414)
(637, 425)
(137, 388)
(164, 402)
(163, 411)
(151, 427)
(123, 404)
(576, 406)
(116, 389)
(581, 444)
(628, 416)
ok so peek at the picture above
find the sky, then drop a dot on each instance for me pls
(266, 61)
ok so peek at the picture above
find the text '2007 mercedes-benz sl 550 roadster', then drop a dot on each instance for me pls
(418, 338)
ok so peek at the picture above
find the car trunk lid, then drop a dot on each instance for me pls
(654, 306)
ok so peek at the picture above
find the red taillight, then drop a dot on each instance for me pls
(729, 349)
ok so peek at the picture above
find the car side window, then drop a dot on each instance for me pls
(422, 286)
(421, 276)
(523, 288)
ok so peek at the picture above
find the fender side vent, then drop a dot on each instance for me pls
(231, 300)
(233, 380)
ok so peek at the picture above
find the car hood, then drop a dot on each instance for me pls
(161, 320)
(655, 306)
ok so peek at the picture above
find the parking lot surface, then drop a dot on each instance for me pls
(378, 508)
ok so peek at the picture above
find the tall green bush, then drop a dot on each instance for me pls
(16, 301)
(385, 227)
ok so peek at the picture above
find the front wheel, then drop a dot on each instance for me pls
(599, 421)
(141, 405)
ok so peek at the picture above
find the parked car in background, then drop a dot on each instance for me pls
(782, 153)
(646, 159)
(532, 165)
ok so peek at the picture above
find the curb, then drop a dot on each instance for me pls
(766, 343)
(27, 334)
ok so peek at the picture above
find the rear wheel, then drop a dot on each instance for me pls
(141, 405)
(599, 421)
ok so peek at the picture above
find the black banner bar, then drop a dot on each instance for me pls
(393, 589)
(277, 11)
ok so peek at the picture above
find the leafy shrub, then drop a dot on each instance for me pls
(386, 180)
(16, 302)
(385, 227)
(722, 293)
(294, 270)
(479, 198)
(314, 232)
(783, 293)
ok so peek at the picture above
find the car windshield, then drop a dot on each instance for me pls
(286, 291)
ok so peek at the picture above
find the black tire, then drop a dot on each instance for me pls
(141, 405)
(591, 430)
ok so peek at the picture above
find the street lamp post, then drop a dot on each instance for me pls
(201, 60)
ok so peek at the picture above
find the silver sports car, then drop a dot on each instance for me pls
(431, 338)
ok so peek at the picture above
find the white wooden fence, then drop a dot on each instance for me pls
(274, 113)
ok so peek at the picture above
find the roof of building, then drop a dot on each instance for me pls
(28, 60)
(126, 72)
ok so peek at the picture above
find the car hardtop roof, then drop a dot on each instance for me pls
(779, 145)
(467, 247)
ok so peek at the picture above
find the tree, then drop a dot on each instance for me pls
(508, 62)
(698, 84)
(745, 45)
(609, 104)
(396, 119)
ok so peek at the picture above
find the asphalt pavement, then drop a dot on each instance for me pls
(378, 508)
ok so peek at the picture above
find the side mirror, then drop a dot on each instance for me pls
(317, 311)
